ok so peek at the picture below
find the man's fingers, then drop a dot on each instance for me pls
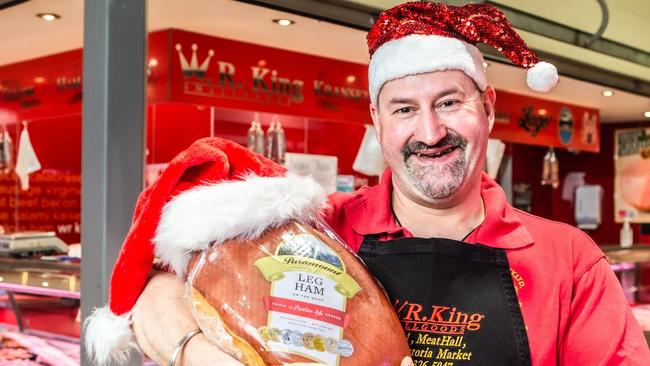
(407, 361)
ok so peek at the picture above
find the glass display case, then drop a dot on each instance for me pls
(39, 310)
(632, 268)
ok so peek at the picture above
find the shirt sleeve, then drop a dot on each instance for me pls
(602, 329)
(332, 213)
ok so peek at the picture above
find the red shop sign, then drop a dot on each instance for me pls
(532, 121)
(215, 71)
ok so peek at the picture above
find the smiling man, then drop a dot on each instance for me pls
(433, 130)
(473, 280)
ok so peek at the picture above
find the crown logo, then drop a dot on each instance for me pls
(192, 68)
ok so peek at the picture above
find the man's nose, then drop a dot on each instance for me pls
(430, 128)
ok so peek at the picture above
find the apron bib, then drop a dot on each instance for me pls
(456, 301)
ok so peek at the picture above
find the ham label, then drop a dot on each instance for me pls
(308, 298)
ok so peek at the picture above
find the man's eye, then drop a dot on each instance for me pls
(404, 110)
(448, 103)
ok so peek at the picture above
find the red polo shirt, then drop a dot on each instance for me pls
(573, 306)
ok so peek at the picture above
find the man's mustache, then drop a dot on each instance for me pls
(451, 139)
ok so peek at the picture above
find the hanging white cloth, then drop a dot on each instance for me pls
(588, 209)
(495, 150)
(26, 160)
(369, 160)
(6, 162)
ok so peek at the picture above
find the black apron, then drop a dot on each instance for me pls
(456, 301)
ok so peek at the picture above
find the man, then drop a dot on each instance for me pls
(474, 281)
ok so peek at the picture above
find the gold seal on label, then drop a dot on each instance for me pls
(319, 343)
(274, 334)
(264, 333)
(308, 340)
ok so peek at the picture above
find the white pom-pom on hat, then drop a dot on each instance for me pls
(542, 77)
(108, 337)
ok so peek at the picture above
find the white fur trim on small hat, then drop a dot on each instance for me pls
(108, 337)
(419, 54)
(204, 215)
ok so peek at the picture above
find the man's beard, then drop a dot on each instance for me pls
(437, 181)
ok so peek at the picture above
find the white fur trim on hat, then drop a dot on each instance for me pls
(204, 215)
(108, 337)
(419, 54)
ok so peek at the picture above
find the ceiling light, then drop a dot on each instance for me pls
(647, 114)
(284, 22)
(48, 17)
(608, 93)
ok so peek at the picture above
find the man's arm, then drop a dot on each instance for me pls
(602, 329)
(161, 318)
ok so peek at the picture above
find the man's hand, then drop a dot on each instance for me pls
(161, 318)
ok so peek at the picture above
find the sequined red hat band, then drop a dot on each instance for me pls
(398, 43)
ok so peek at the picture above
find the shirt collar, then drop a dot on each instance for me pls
(502, 227)
(370, 213)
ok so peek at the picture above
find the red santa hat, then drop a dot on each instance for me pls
(213, 191)
(421, 37)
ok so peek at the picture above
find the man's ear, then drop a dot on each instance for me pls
(374, 114)
(489, 100)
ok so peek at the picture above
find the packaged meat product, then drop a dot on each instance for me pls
(293, 294)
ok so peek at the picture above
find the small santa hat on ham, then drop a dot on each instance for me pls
(421, 37)
(214, 191)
